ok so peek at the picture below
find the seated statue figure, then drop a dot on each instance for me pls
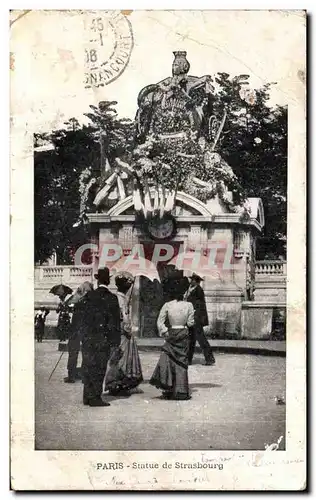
(174, 148)
(177, 105)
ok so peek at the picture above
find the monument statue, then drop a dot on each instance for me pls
(176, 137)
(177, 105)
(178, 128)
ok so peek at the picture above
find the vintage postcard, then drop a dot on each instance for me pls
(158, 165)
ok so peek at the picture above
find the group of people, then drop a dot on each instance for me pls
(101, 327)
(39, 323)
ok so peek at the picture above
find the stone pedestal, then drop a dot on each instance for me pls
(224, 311)
(256, 320)
(206, 228)
(263, 320)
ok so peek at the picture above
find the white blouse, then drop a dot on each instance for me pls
(178, 313)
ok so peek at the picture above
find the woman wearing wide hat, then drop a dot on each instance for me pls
(125, 372)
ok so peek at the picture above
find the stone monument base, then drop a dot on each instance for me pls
(217, 244)
(263, 320)
(224, 311)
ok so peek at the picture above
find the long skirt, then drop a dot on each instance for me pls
(171, 372)
(125, 371)
(63, 326)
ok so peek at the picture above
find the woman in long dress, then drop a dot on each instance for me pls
(63, 322)
(125, 372)
(171, 372)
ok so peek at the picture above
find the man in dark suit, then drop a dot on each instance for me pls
(195, 295)
(102, 334)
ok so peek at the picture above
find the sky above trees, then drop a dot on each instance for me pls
(267, 45)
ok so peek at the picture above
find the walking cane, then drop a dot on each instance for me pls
(56, 365)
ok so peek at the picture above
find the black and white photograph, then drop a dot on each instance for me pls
(160, 213)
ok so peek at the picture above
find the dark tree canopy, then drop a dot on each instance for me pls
(255, 146)
(253, 143)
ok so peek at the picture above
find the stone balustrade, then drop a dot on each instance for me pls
(271, 267)
(62, 274)
(46, 277)
(270, 293)
(77, 274)
(270, 281)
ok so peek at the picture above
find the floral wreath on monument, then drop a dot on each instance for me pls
(203, 174)
(190, 165)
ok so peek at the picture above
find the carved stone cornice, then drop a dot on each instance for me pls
(229, 219)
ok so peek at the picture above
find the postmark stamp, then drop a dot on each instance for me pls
(109, 47)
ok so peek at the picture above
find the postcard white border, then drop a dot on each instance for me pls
(72, 470)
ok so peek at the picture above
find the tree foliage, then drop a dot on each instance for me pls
(56, 187)
(253, 143)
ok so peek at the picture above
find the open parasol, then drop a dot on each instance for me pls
(81, 291)
(136, 267)
(61, 290)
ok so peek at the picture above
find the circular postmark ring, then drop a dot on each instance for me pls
(110, 46)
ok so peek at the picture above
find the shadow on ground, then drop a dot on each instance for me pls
(233, 408)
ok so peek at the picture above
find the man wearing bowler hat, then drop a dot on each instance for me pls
(195, 295)
(103, 332)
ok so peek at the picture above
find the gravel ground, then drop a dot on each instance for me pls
(232, 408)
